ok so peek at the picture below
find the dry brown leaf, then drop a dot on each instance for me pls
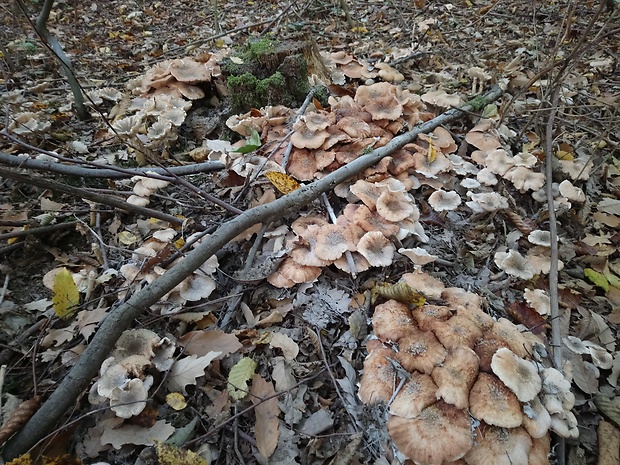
(267, 422)
(202, 342)
(608, 444)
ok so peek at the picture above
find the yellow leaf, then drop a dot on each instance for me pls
(239, 376)
(283, 182)
(402, 292)
(176, 400)
(66, 296)
(180, 242)
(168, 454)
(127, 238)
(562, 155)
(432, 151)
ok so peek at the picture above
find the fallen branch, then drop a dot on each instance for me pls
(123, 315)
(85, 194)
(115, 173)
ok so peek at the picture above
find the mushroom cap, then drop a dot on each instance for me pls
(395, 206)
(485, 348)
(319, 120)
(424, 283)
(372, 221)
(515, 264)
(456, 376)
(354, 127)
(416, 394)
(491, 401)
(302, 165)
(539, 453)
(420, 350)
(441, 200)
(525, 179)
(376, 248)
(332, 241)
(536, 418)
(458, 331)
(476, 315)
(519, 375)
(457, 296)
(293, 271)
(565, 425)
(306, 138)
(418, 255)
(392, 320)
(377, 383)
(189, 71)
(507, 332)
(136, 342)
(441, 433)
(485, 141)
(500, 446)
(130, 399)
(426, 314)
(367, 192)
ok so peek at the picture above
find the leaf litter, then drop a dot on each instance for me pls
(441, 54)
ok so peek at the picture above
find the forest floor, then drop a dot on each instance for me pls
(298, 343)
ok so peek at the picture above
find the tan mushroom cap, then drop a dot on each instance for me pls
(392, 320)
(332, 241)
(426, 314)
(293, 271)
(394, 206)
(457, 296)
(384, 107)
(539, 453)
(458, 331)
(354, 127)
(189, 71)
(536, 418)
(491, 401)
(499, 446)
(302, 226)
(319, 120)
(477, 316)
(376, 248)
(485, 348)
(306, 138)
(441, 433)
(506, 331)
(136, 342)
(361, 264)
(372, 221)
(519, 375)
(130, 399)
(377, 383)
(305, 256)
(302, 165)
(441, 200)
(420, 350)
(415, 395)
(485, 141)
(424, 283)
(367, 192)
(456, 376)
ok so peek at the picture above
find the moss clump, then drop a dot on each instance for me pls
(255, 49)
(247, 91)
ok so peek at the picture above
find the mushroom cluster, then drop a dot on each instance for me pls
(146, 266)
(162, 98)
(123, 379)
(460, 385)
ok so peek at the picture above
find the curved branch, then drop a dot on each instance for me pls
(125, 313)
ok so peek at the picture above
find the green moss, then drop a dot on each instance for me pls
(254, 49)
(247, 91)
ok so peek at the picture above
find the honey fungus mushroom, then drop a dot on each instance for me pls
(473, 394)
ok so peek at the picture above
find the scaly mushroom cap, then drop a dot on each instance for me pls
(426, 314)
(392, 320)
(456, 376)
(415, 395)
(420, 350)
(332, 241)
(490, 400)
(536, 418)
(519, 375)
(507, 332)
(377, 383)
(499, 446)
(441, 433)
(485, 348)
(376, 248)
(458, 331)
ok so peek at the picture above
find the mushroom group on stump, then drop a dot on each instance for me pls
(460, 386)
